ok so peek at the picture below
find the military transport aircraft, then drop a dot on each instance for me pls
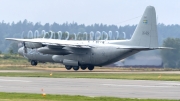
(90, 53)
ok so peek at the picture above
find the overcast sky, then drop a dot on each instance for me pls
(118, 12)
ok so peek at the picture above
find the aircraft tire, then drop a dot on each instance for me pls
(90, 67)
(36, 63)
(68, 67)
(76, 68)
(83, 67)
(33, 62)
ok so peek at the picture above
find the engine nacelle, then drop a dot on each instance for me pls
(70, 62)
(33, 45)
(46, 50)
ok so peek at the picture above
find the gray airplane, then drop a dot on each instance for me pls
(90, 53)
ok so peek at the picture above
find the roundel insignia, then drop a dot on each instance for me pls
(145, 21)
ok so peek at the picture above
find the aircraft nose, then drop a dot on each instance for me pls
(20, 51)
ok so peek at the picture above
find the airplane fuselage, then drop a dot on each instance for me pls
(97, 56)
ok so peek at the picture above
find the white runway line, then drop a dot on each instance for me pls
(13, 80)
(172, 84)
(116, 85)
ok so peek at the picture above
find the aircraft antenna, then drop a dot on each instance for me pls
(129, 19)
(157, 20)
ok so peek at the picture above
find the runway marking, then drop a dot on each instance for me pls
(116, 85)
(171, 84)
(14, 80)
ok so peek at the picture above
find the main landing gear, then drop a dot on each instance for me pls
(83, 67)
(34, 63)
(68, 67)
(90, 67)
(76, 68)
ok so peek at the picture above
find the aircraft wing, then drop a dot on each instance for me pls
(80, 44)
(23, 40)
(54, 42)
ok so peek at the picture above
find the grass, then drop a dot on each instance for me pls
(39, 97)
(15, 67)
(130, 76)
(16, 62)
(13, 62)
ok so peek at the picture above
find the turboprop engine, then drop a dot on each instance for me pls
(47, 50)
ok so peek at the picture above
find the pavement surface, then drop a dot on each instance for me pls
(93, 87)
(94, 71)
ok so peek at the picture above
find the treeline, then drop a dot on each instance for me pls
(171, 58)
(15, 30)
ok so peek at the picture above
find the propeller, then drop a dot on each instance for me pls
(25, 48)
(23, 43)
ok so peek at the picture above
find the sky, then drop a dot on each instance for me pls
(116, 12)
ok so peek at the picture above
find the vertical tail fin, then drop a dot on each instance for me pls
(146, 31)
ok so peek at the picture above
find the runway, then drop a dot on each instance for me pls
(93, 87)
(63, 70)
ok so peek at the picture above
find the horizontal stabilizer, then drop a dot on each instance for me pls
(165, 48)
(141, 47)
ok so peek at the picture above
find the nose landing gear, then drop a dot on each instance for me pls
(34, 63)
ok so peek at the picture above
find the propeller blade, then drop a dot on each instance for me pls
(25, 49)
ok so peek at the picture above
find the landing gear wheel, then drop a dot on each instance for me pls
(33, 63)
(83, 67)
(76, 68)
(68, 67)
(36, 63)
(90, 67)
